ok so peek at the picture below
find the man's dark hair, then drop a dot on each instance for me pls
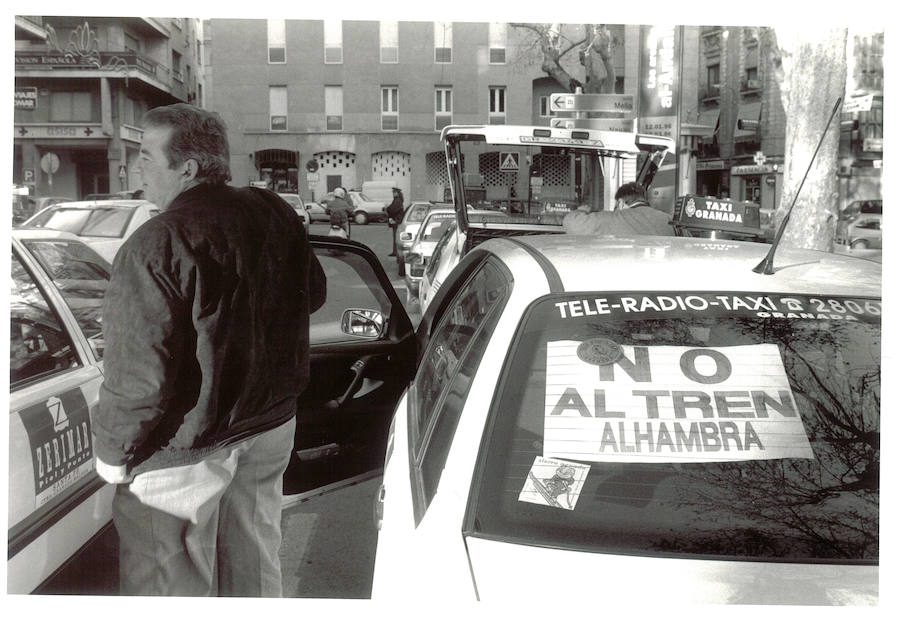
(197, 134)
(630, 192)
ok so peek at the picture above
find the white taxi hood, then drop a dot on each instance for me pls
(504, 571)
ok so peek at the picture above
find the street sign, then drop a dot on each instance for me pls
(50, 163)
(592, 102)
(509, 161)
(605, 124)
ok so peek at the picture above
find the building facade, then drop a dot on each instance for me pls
(316, 104)
(81, 87)
(740, 144)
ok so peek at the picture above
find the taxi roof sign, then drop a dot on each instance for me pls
(703, 213)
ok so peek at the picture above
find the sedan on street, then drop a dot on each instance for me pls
(102, 224)
(648, 410)
(57, 504)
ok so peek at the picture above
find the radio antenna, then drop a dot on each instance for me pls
(766, 265)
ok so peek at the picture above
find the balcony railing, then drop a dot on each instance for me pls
(121, 61)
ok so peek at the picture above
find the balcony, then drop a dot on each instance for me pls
(710, 95)
(130, 63)
(750, 85)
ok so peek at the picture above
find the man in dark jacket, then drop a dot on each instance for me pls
(206, 323)
(395, 214)
(633, 216)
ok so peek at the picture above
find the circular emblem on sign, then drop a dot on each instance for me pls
(312, 165)
(599, 351)
(690, 207)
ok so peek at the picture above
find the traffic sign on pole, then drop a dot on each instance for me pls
(591, 102)
(605, 124)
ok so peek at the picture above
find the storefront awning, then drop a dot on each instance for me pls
(747, 112)
(269, 157)
(709, 120)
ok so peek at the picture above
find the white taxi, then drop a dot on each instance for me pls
(595, 420)
(102, 224)
(57, 503)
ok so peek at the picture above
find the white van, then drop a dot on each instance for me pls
(379, 191)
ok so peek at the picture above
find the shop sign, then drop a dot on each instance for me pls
(756, 169)
(713, 164)
(132, 134)
(59, 130)
(26, 98)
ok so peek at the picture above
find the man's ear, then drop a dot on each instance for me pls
(190, 168)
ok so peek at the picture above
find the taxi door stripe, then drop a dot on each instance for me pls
(33, 527)
(550, 272)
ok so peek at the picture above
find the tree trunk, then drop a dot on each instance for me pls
(815, 71)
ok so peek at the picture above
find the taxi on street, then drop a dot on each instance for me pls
(592, 415)
(57, 503)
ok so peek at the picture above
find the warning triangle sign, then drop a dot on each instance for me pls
(509, 161)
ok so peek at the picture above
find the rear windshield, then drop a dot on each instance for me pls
(94, 222)
(738, 425)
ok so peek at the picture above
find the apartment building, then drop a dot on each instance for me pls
(316, 104)
(81, 87)
(740, 151)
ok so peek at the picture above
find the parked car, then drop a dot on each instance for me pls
(130, 194)
(409, 226)
(857, 207)
(649, 410)
(365, 209)
(860, 232)
(102, 224)
(434, 224)
(299, 207)
(317, 212)
(56, 501)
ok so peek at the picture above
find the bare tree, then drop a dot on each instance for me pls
(811, 69)
(594, 45)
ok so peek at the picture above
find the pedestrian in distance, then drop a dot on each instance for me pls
(339, 225)
(206, 326)
(395, 214)
(340, 202)
(633, 216)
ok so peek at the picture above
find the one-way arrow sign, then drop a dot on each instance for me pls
(605, 124)
(591, 102)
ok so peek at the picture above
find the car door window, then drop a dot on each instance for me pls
(447, 369)
(81, 276)
(352, 283)
(39, 346)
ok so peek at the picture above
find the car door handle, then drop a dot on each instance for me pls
(359, 369)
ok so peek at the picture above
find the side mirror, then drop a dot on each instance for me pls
(363, 323)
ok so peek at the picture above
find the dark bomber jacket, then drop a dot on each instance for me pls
(206, 327)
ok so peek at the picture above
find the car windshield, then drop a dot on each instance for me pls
(729, 425)
(97, 221)
(417, 213)
(435, 226)
(81, 276)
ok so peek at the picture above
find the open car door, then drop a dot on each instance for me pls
(362, 356)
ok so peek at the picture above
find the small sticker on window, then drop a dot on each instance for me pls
(554, 482)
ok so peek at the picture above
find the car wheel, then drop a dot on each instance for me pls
(859, 244)
(401, 267)
(360, 218)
